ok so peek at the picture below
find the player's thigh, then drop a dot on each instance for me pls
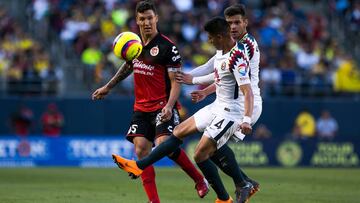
(205, 149)
(220, 130)
(142, 146)
(203, 118)
(186, 128)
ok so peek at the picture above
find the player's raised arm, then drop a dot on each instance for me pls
(124, 71)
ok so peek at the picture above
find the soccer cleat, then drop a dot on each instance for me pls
(243, 193)
(230, 200)
(127, 165)
(202, 187)
(256, 187)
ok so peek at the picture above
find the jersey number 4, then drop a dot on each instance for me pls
(219, 124)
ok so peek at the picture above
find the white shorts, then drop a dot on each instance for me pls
(220, 126)
(238, 136)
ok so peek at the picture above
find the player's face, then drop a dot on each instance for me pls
(147, 22)
(237, 26)
(215, 40)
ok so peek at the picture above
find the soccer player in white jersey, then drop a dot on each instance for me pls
(218, 121)
(224, 157)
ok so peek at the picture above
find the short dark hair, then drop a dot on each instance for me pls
(236, 9)
(143, 6)
(217, 25)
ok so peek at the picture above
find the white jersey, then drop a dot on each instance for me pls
(219, 120)
(231, 70)
(254, 57)
(253, 54)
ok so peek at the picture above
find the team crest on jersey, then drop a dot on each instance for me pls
(154, 51)
(223, 65)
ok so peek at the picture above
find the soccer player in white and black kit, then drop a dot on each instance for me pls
(224, 157)
(218, 121)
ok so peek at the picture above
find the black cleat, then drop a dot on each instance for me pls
(243, 193)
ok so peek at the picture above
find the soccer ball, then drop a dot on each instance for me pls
(127, 46)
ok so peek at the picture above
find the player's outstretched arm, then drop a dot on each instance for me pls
(124, 71)
(204, 69)
(188, 79)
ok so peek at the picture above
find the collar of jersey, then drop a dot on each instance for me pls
(219, 53)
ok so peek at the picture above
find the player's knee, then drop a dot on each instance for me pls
(176, 130)
(200, 155)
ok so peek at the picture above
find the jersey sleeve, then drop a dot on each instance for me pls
(204, 69)
(204, 80)
(173, 59)
(239, 66)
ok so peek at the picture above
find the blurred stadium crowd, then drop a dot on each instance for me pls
(307, 47)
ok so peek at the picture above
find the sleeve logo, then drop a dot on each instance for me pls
(242, 69)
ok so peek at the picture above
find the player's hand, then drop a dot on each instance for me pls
(197, 96)
(100, 93)
(166, 114)
(246, 128)
(182, 77)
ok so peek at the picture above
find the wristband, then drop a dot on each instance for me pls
(247, 119)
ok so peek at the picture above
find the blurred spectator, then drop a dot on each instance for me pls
(305, 126)
(347, 77)
(52, 121)
(21, 121)
(262, 132)
(271, 78)
(285, 30)
(326, 126)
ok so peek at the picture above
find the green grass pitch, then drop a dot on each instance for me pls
(80, 185)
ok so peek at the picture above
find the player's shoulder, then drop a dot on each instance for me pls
(249, 39)
(166, 41)
(239, 50)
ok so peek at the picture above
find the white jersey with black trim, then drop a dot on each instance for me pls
(253, 54)
(231, 70)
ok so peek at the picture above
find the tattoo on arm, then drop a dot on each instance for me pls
(124, 71)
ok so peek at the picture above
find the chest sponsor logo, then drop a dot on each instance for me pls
(154, 51)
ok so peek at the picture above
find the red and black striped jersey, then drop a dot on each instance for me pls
(151, 81)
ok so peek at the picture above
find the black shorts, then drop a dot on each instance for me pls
(148, 125)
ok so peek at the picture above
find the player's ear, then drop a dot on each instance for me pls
(156, 18)
(246, 22)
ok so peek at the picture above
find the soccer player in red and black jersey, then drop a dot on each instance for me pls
(156, 93)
